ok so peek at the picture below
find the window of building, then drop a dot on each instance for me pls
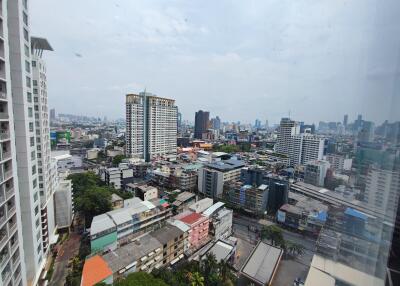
(28, 81)
(33, 64)
(25, 18)
(31, 126)
(29, 96)
(26, 35)
(27, 66)
(32, 139)
(33, 169)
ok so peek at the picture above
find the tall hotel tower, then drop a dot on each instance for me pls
(151, 127)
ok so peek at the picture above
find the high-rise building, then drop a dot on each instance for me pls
(13, 269)
(300, 148)
(287, 129)
(151, 126)
(201, 123)
(366, 133)
(345, 120)
(216, 123)
(304, 148)
(52, 114)
(257, 123)
(315, 172)
(47, 170)
(19, 84)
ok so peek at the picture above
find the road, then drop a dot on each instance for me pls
(68, 250)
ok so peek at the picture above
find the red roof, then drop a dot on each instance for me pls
(94, 271)
(191, 218)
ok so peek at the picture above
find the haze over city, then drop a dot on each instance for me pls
(239, 60)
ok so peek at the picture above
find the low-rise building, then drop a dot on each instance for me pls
(199, 224)
(303, 213)
(146, 193)
(220, 220)
(172, 240)
(201, 205)
(339, 162)
(116, 177)
(118, 227)
(116, 201)
(213, 176)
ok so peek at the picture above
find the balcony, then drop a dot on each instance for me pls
(5, 156)
(7, 175)
(4, 116)
(4, 134)
(3, 95)
(4, 255)
(12, 226)
(9, 193)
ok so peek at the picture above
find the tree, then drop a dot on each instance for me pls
(83, 181)
(209, 268)
(117, 159)
(294, 248)
(195, 279)
(93, 201)
(140, 279)
(274, 234)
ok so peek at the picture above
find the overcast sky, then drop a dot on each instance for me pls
(241, 60)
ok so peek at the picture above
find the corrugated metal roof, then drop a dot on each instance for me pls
(208, 212)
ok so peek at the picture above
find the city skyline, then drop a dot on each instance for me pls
(259, 66)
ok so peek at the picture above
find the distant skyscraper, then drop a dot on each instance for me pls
(151, 126)
(257, 123)
(266, 124)
(52, 114)
(201, 123)
(216, 123)
(300, 148)
(366, 133)
(345, 120)
(287, 129)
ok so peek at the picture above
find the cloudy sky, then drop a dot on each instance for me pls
(241, 60)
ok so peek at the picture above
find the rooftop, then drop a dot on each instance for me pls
(262, 263)
(191, 218)
(221, 250)
(209, 212)
(167, 233)
(226, 165)
(94, 271)
(131, 252)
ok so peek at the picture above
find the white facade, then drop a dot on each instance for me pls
(304, 148)
(47, 172)
(339, 162)
(287, 129)
(382, 190)
(11, 232)
(315, 172)
(25, 132)
(151, 126)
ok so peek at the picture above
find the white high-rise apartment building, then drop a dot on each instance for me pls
(301, 148)
(287, 129)
(47, 170)
(151, 126)
(12, 266)
(382, 190)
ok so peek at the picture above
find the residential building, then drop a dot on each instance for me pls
(382, 190)
(366, 133)
(151, 127)
(118, 227)
(286, 130)
(198, 223)
(116, 201)
(117, 177)
(315, 172)
(46, 173)
(220, 220)
(201, 205)
(16, 80)
(305, 147)
(201, 123)
(13, 269)
(172, 240)
(146, 193)
(339, 162)
(213, 176)
(303, 213)
(252, 199)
